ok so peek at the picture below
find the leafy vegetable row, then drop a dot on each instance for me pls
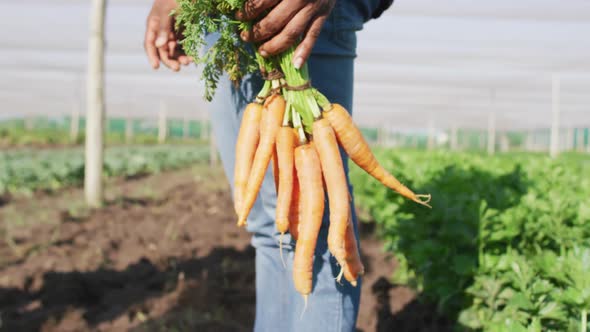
(506, 246)
(25, 171)
(55, 132)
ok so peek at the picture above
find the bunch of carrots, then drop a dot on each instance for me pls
(303, 165)
(296, 129)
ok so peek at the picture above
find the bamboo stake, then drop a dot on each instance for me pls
(95, 114)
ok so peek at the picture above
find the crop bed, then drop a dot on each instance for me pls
(506, 246)
(23, 171)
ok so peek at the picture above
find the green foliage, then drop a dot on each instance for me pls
(201, 21)
(506, 246)
(26, 171)
(13, 135)
(56, 132)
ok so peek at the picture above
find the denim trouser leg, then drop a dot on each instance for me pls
(331, 307)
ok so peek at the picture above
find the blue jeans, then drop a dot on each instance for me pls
(331, 306)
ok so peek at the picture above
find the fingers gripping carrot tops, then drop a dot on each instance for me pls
(355, 145)
(246, 145)
(336, 185)
(269, 127)
(309, 174)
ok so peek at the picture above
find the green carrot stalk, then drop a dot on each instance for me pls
(303, 101)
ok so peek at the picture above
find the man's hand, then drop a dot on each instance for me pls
(161, 41)
(284, 24)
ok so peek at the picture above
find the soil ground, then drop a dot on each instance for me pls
(163, 254)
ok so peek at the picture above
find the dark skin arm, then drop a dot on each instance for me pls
(285, 23)
(161, 41)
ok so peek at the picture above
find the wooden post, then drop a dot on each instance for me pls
(554, 142)
(504, 143)
(528, 140)
(454, 139)
(95, 115)
(29, 122)
(162, 123)
(74, 123)
(481, 138)
(581, 144)
(129, 130)
(186, 127)
(570, 139)
(204, 130)
(492, 124)
(380, 136)
(212, 152)
(491, 133)
(393, 137)
(431, 139)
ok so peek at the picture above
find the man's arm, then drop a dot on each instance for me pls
(161, 41)
(282, 27)
(285, 24)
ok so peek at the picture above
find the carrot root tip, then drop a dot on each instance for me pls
(305, 297)
(426, 197)
(353, 283)
(423, 200)
(339, 277)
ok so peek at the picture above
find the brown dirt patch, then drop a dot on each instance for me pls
(164, 254)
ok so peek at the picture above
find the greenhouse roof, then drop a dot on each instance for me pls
(450, 63)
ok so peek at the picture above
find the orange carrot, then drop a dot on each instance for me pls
(269, 126)
(353, 266)
(275, 168)
(294, 210)
(246, 145)
(309, 174)
(336, 185)
(353, 142)
(285, 148)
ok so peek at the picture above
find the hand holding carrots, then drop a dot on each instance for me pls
(289, 123)
(284, 23)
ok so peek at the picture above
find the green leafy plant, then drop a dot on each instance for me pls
(506, 246)
(26, 171)
(55, 132)
(204, 21)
